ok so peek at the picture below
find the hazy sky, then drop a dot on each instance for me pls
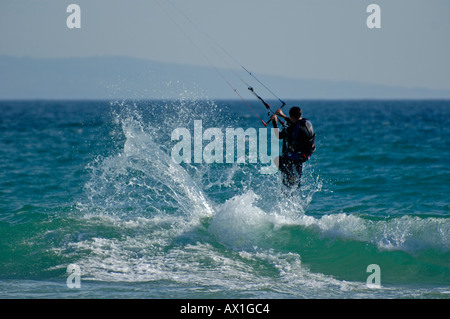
(320, 39)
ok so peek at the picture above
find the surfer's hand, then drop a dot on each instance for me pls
(274, 118)
(279, 112)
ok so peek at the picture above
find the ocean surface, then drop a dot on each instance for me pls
(93, 184)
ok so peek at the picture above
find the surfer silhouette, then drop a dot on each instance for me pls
(298, 145)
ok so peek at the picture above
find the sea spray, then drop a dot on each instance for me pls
(239, 224)
(143, 177)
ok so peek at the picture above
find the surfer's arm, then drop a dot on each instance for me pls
(275, 126)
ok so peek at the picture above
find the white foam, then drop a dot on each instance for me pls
(406, 233)
(239, 223)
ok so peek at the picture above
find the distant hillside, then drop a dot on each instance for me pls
(123, 77)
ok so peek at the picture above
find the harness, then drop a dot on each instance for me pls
(291, 153)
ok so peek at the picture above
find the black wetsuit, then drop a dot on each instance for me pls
(298, 145)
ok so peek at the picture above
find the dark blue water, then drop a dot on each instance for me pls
(92, 183)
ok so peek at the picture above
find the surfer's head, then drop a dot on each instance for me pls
(295, 113)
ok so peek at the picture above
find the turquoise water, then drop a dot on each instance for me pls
(92, 183)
